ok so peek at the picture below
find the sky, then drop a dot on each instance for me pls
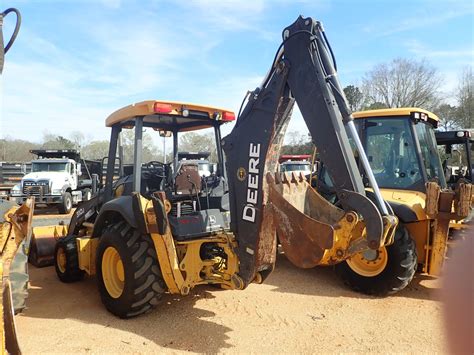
(77, 61)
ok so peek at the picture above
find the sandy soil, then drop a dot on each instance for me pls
(296, 311)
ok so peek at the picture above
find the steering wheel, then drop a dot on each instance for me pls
(154, 166)
(154, 169)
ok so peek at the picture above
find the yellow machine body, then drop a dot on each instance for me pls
(436, 210)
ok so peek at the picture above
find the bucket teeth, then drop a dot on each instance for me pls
(277, 178)
(285, 179)
(301, 177)
(294, 178)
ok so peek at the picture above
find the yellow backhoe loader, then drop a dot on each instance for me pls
(164, 228)
(401, 147)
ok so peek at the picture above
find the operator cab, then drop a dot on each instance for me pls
(401, 147)
(199, 199)
(458, 154)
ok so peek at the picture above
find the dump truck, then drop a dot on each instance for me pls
(166, 230)
(57, 179)
(11, 174)
(295, 162)
(401, 147)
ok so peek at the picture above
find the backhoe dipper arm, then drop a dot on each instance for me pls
(302, 71)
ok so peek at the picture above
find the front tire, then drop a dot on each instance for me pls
(65, 206)
(66, 260)
(389, 271)
(129, 277)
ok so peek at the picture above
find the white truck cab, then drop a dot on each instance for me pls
(55, 179)
(297, 163)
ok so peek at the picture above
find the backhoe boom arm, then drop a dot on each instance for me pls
(302, 72)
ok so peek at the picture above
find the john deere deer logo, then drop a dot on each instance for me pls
(241, 174)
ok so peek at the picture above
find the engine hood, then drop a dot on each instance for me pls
(46, 175)
(57, 179)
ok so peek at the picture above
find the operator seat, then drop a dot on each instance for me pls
(187, 179)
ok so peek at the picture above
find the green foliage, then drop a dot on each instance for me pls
(149, 150)
(354, 97)
(199, 142)
(403, 83)
(465, 99)
(95, 150)
(50, 141)
(16, 150)
(297, 144)
(448, 116)
(375, 106)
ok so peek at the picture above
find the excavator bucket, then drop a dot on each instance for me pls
(43, 243)
(15, 233)
(307, 223)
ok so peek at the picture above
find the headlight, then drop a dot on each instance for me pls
(57, 191)
(16, 190)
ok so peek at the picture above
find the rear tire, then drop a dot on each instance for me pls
(396, 274)
(129, 276)
(65, 206)
(66, 260)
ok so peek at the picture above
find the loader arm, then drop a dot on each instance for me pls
(303, 71)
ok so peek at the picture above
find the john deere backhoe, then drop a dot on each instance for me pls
(163, 228)
(401, 147)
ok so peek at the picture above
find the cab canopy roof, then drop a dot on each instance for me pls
(415, 113)
(170, 116)
(455, 137)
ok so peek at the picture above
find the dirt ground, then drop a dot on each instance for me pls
(295, 311)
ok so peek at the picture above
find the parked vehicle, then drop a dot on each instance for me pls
(57, 179)
(11, 174)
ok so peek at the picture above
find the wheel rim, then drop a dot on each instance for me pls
(112, 272)
(61, 260)
(369, 263)
(68, 204)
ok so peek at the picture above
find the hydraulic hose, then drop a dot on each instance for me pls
(4, 50)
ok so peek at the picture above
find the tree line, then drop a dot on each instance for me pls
(411, 83)
(398, 83)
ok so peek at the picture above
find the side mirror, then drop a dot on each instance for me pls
(78, 168)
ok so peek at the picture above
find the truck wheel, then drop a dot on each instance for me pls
(66, 260)
(86, 194)
(66, 205)
(129, 277)
(384, 271)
